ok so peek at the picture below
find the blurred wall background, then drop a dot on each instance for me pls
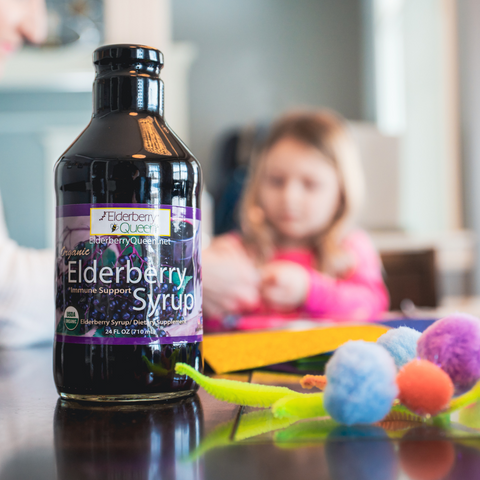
(255, 59)
(469, 74)
(35, 127)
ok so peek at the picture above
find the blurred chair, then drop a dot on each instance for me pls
(234, 152)
(411, 279)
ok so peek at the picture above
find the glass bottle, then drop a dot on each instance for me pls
(128, 241)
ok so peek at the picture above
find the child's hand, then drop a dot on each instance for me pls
(284, 285)
(230, 279)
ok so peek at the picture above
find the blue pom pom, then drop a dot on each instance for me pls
(401, 343)
(360, 383)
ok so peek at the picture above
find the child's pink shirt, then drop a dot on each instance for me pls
(361, 296)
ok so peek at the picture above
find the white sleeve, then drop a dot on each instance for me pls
(26, 292)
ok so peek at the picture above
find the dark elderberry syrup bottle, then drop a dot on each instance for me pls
(128, 243)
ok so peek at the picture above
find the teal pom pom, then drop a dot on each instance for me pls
(360, 383)
(401, 343)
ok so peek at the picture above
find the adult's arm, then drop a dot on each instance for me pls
(26, 292)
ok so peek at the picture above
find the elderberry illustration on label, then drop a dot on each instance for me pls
(128, 275)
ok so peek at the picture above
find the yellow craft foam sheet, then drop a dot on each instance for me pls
(231, 352)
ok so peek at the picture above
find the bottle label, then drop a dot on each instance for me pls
(128, 274)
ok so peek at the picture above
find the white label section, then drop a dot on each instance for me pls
(130, 221)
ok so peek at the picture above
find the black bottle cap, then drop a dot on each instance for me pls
(126, 56)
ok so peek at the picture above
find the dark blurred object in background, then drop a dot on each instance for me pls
(411, 279)
(233, 154)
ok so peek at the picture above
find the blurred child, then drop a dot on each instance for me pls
(298, 251)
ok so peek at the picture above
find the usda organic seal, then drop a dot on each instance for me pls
(71, 318)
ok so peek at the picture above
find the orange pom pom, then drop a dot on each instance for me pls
(424, 387)
(310, 381)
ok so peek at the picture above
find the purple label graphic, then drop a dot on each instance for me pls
(128, 274)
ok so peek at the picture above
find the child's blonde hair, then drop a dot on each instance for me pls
(328, 133)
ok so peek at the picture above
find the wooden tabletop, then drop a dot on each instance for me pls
(43, 437)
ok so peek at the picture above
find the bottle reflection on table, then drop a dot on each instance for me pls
(128, 442)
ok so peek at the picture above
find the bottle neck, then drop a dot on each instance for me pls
(124, 92)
